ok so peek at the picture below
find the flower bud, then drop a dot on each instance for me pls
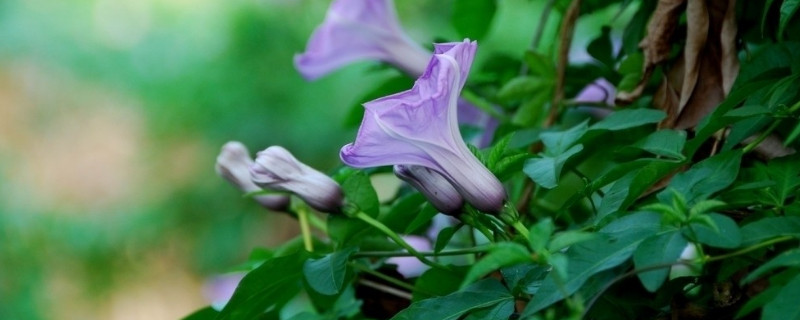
(233, 164)
(277, 169)
(442, 195)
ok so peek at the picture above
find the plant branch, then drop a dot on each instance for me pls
(455, 252)
(396, 238)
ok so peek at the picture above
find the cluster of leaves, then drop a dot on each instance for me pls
(683, 204)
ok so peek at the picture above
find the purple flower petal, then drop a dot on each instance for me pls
(233, 164)
(599, 91)
(356, 30)
(420, 127)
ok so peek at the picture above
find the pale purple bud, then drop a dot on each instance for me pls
(356, 30)
(233, 164)
(420, 127)
(276, 168)
(433, 186)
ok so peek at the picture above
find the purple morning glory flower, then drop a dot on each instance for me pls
(599, 91)
(356, 30)
(419, 127)
(233, 164)
(276, 168)
(433, 186)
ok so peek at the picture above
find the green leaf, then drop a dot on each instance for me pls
(667, 143)
(502, 254)
(628, 188)
(758, 301)
(497, 151)
(539, 234)
(726, 235)
(482, 294)
(768, 228)
(522, 87)
(558, 142)
(326, 275)
(784, 305)
(785, 172)
(270, 285)
(621, 238)
(501, 311)
(532, 110)
(568, 238)
(601, 48)
(438, 282)
(444, 236)
(358, 191)
(629, 118)
(390, 86)
(659, 249)
(207, 313)
(407, 206)
(346, 231)
(788, 9)
(472, 18)
(422, 219)
(705, 177)
(540, 65)
(789, 258)
(546, 171)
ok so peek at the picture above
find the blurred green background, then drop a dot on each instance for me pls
(112, 113)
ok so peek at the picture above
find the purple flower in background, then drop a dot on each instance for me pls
(233, 164)
(599, 91)
(277, 169)
(419, 127)
(411, 267)
(356, 30)
(219, 289)
(433, 186)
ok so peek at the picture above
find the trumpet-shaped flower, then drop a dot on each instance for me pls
(356, 30)
(433, 186)
(233, 164)
(420, 127)
(277, 169)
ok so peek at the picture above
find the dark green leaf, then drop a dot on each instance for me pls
(421, 219)
(629, 118)
(501, 255)
(540, 65)
(758, 301)
(628, 188)
(358, 191)
(270, 285)
(326, 275)
(539, 234)
(568, 238)
(767, 5)
(472, 18)
(768, 228)
(546, 171)
(659, 249)
(522, 87)
(789, 258)
(482, 294)
(784, 305)
(437, 282)
(788, 9)
(501, 311)
(667, 143)
(558, 142)
(725, 235)
(207, 313)
(705, 177)
(532, 110)
(601, 48)
(589, 258)
(444, 236)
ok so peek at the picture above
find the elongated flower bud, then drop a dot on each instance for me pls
(233, 164)
(276, 168)
(433, 186)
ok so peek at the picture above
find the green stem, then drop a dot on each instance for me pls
(318, 223)
(752, 145)
(302, 216)
(455, 252)
(750, 248)
(391, 234)
(382, 276)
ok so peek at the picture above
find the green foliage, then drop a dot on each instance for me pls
(473, 18)
(482, 294)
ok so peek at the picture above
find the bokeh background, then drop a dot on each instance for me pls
(112, 113)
